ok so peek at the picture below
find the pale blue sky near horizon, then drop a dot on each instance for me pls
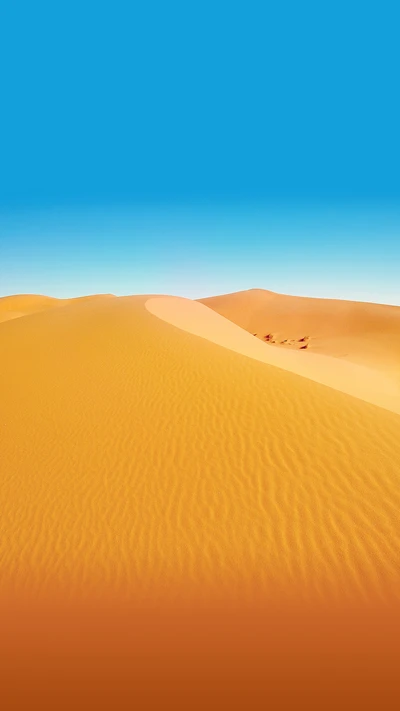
(347, 253)
(200, 148)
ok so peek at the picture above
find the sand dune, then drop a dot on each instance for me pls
(136, 455)
(22, 304)
(186, 523)
(363, 333)
(357, 380)
(25, 304)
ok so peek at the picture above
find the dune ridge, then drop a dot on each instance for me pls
(364, 333)
(19, 305)
(351, 378)
(137, 456)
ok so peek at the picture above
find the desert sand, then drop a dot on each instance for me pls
(24, 304)
(152, 454)
(363, 333)
(373, 385)
(151, 447)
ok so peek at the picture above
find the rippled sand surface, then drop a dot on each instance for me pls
(373, 385)
(143, 459)
(135, 452)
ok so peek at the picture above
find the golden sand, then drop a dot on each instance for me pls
(191, 518)
(363, 333)
(136, 454)
(369, 384)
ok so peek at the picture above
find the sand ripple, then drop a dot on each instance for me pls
(136, 455)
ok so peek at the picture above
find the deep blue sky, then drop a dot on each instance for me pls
(196, 105)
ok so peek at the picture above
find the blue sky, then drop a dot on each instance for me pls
(196, 148)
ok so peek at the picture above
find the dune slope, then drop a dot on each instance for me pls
(368, 334)
(137, 455)
(25, 304)
(357, 380)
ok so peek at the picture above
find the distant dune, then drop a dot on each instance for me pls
(369, 384)
(363, 333)
(25, 304)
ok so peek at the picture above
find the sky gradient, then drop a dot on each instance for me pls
(197, 148)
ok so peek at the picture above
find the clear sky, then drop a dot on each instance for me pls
(194, 148)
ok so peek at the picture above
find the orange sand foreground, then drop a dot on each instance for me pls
(153, 449)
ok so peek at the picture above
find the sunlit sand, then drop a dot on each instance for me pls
(366, 383)
(153, 449)
(136, 451)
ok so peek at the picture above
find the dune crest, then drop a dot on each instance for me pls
(18, 305)
(347, 377)
(138, 459)
(363, 333)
